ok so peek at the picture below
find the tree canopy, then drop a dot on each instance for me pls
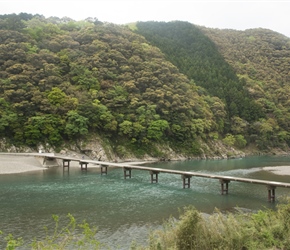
(62, 80)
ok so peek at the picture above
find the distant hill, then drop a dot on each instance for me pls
(248, 70)
(261, 59)
(160, 85)
(187, 47)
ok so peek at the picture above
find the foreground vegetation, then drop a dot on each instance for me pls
(267, 229)
(70, 236)
(262, 230)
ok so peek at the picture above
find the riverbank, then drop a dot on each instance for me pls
(11, 164)
(279, 170)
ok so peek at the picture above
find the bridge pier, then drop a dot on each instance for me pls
(127, 172)
(104, 169)
(224, 186)
(154, 176)
(84, 165)
(271, 193)
(186, 180)
(66, 163)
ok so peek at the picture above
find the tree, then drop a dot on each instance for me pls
(44, 129)
(229, 140)
(8, 118)
(240, 141)
(126, 128)
(76, 125)
(60, 103)
(238, 125)
(156, 129)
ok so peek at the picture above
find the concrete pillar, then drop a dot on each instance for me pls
(65, 163)
(104, 169)
(186, 180)
(154, 176)
(271, 193)
(224, 186)
(127, 172)
(84, 165)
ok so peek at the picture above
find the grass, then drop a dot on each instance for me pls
(263, 230)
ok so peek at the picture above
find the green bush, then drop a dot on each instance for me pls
(229, 140)
(240, 141)
(265, 229)
(66, 237)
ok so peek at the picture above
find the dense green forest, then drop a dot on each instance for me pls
(140, 86)
(239, 68)
(261, 59)
(198, 58)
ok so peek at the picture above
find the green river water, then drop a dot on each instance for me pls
(126, 210)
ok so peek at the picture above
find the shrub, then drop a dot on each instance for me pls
(265, 229)
(229, 140)
(66, 237)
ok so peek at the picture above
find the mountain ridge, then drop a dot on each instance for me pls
(63, 81)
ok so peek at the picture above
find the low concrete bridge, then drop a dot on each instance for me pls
(154, 172)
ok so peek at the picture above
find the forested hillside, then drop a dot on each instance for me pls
(248, 70)
(64, 80)
(196, 56)
(161, 84)
(261, 59)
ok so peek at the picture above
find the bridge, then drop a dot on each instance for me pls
(154, 172)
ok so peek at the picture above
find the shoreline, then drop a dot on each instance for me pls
(278, 170)
(11, 164)
(15, 164)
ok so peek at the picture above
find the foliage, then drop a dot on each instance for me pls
(76, 125)
(70, 236)
(160, 83)
(265, 229)
(11, 242)
(61, 79)
(196, 56)
(261, 59)
(229, 140)
(67, 237)
(240, 141)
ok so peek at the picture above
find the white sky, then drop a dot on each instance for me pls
(234, 14)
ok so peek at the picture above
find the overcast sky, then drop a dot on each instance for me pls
(234, 14)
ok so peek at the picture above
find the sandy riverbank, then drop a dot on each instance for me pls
(10, 164)
(279, 170)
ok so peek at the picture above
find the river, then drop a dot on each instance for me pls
(126, 210)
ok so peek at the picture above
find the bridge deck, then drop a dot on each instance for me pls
(185, 174)
(197, 174)
(179, 172)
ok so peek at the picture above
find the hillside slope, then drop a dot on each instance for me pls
(248, 70)
(170, 87)
(63, 80)
(185, 45)
(261, 59)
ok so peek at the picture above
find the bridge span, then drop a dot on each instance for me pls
(154, 172)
